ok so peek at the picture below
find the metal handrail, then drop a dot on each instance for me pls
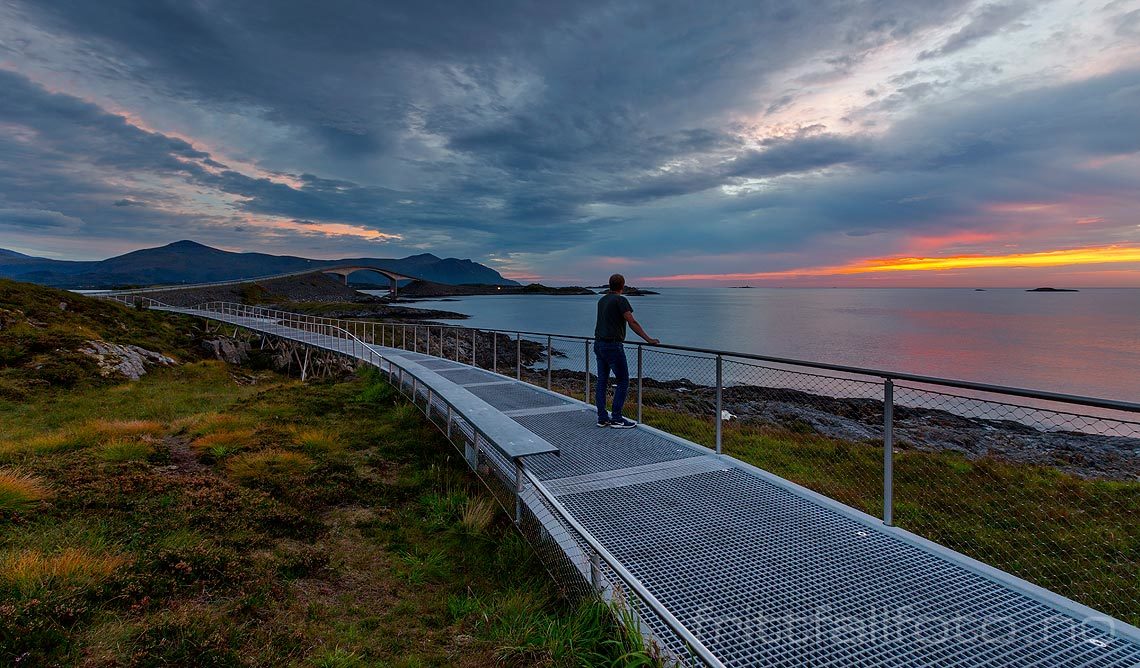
(1043, 395)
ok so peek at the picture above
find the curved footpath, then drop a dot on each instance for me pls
(760, 571)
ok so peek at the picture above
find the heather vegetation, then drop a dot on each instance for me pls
(211, 516)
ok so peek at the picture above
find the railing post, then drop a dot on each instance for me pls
(404, 342)
(888, 451)
(518, 490)
(474, 334)
(471, 450)
(518, 356)
(587, 347)
(639, 368)
(495, 351)
(719, 403)
(595, 570)
(427, 342)
(549, 354)
(442, 337)
(456, 344)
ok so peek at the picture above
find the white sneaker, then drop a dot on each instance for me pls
(623, 423)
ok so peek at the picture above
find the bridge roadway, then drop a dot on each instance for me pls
(762, 572)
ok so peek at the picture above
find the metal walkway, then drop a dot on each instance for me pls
(728, 564)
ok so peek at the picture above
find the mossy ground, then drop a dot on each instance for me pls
(42, 331)
(339, 530)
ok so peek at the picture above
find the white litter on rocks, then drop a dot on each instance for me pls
(127, 360)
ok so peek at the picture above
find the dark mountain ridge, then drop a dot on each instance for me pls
(185, 262)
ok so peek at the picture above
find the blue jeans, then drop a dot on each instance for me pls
(611, 357)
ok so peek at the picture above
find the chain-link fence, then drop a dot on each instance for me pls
(1043, 492)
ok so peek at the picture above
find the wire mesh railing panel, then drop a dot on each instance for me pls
(534, 360)
(820, 431)
(678, 393)
(574, 369)
(1050, 496)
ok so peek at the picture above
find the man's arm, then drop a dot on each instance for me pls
(636, 327)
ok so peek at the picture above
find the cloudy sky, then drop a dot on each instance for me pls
(875, 142)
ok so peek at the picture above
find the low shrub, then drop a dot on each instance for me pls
(28, 572)
(19, 490)
(204, 424)
(111, 430)
(125, 451)
(62, 440)
(268, 467)
(478, 514)
(225, 442)
(316, 441)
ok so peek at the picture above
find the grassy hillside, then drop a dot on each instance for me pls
(202, 517)
(42, 330)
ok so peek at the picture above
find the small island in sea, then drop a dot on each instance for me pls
(1052, 290)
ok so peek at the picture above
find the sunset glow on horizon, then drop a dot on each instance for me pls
(1054, 258)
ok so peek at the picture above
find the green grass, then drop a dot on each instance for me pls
(303, 544)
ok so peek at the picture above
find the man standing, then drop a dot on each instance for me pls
(614, 312)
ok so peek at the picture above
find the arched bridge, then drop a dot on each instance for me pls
(393, 277)
(344, 271)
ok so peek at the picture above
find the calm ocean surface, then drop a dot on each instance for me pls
(1085, 342)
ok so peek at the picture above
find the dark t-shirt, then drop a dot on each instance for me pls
(611, 318)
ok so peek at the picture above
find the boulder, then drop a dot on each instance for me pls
(227, 350)
(125, 360)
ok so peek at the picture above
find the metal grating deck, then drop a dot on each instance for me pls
(516, 396)
(762, 573)
(462, 375)
(767, 578)
(586, 448)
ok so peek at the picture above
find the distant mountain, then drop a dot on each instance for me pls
(191, 262)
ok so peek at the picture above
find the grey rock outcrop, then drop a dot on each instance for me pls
(126, 360)
(227, 350)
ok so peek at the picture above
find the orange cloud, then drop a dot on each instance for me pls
(323, 229)
(1054, 258)
(1021, 207)
(928, 243)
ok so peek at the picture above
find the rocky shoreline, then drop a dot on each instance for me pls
(1083, 454)
(1089, 456)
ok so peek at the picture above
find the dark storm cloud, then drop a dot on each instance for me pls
(536, 126)
(931, 174)
(36, 219)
